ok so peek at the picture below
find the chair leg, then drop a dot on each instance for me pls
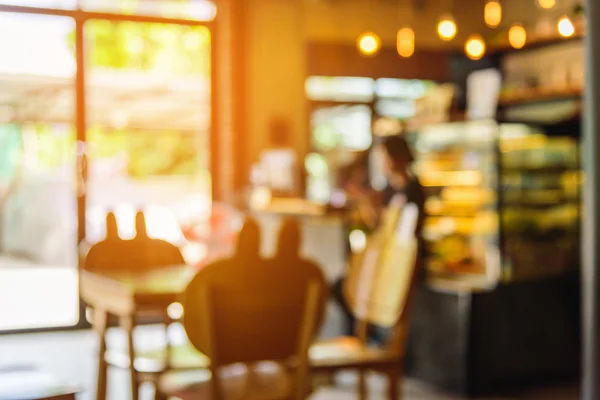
(100, 325)
(128, 323)
(158, 395)
(328, 379)
(362, 385)
(394, 385)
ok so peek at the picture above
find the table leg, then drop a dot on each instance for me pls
(362, 385)
(169, 349)
(128, 323)
(100, 326)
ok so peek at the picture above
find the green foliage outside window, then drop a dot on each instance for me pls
(147, 47)
(171, 50)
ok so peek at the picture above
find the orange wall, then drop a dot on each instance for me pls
(277, 34)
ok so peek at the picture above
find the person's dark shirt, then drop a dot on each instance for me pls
(414, 193)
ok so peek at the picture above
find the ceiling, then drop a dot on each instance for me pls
(344, 20)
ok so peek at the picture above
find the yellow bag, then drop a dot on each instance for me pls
(380, 277)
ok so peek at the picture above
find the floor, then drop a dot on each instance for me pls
(70, 357)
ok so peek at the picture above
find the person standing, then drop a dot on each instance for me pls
(397, 162)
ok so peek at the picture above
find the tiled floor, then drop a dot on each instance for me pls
(70, 356)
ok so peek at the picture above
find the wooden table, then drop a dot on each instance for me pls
(125, 294)
(31, 384)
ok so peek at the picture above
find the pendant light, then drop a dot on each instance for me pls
(405, 38)
(368, 43)
(566, 27)
(475, 47)
(517, 36)
(405, 42)
(446, 27)
(546, 4)
(492, 13)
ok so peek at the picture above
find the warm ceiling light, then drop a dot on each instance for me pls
(547, 4)
(475, 47)
(565, 27)
(405, 42)
(517, 36)
(492, 13)
(446, 28)
(368, 43)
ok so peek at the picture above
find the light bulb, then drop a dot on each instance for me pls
(547, 4)
(517, 36)
(446, 28)
(368, 43)
(475, 47)
(565, 27)
(405, 42)
(492, 13)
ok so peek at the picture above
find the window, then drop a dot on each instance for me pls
(200, 10)
(60, 4)
(351, 89)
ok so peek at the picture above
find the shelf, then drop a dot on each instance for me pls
(535, 43)
(537, 95)
(539, 204)
(462, 283)
(538, 170)
(457, 213)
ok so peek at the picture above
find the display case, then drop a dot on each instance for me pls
(540, 202)
(502, 202)
(457, 165)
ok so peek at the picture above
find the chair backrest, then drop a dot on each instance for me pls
(288, 256)
(248, 309)
(141, 252)
(382, 279)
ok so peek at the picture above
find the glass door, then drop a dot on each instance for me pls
(110, 113)
(148, 123)
(38, 223)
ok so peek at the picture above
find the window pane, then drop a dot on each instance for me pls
(402, 88)
(61, 4)
(148, 100)
(38, 217)
(352, 89)
(342, 128)
(200, 10)
(399, 109)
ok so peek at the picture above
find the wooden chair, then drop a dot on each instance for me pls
(141, 252)
(255, 320)
(379, 290)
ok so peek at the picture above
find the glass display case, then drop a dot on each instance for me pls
(457, 164)
(503, 201)
(540, 202)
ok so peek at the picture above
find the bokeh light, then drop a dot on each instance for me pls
(447, 28)
(565, 27)
(368, 44)
(475, 47)
(547, 4)
(493, 13)
(405, 42)
(358, 241)
(517, 36)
